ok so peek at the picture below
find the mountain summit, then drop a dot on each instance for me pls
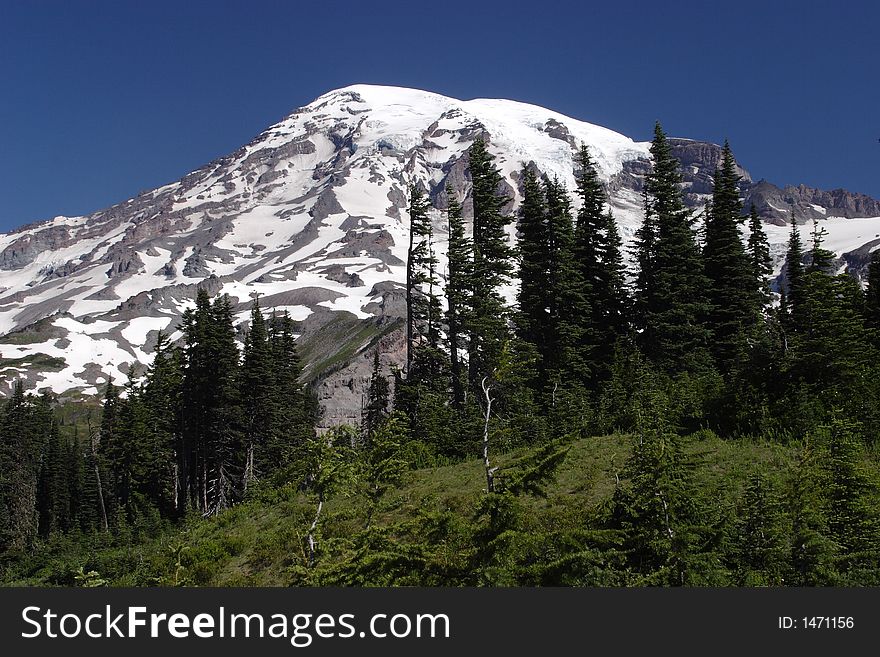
(310, 217)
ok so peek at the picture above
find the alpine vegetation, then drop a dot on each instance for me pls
(582, 387)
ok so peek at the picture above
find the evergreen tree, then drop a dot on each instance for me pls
(210, 393)
(259, 404)
(296, 409)
(645, 288)
(820, 257)
(665, 537)
(384, 467)
(533, 249)
(612, 323)
(872, 293)
(492, 265)
(376, 406)
(597, 251)
(568, 350)
(794, 277)
(812, 551)
(53, 492)
(852, 519)
(760, 537)
(591, 221)
(422, 306)
(226, 458)
(458, 294)
(759, 256)
(110, 453)
(830, 361)
(162, 398)
(729, 273)
(24, 426)
(673, 304)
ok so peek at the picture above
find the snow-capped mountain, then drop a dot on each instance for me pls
(310, 216)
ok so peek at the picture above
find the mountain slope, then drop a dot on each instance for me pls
(310, 217)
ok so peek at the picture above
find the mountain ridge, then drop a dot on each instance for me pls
(310, 216)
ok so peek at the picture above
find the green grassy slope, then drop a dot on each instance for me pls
(261, 542)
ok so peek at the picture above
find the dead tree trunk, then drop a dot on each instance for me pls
(490, 471)
(249, 473)
(93, 447)
(314, 526)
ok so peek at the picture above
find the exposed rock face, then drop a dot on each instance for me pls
(310, 217)
(24, 250)
(806, 203)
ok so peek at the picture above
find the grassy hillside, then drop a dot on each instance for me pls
(262, 541)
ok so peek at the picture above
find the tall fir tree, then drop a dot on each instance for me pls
(613, 321)
(24, 427)
(211, 394)
(162, 398)
(645, 285)
(259, 404)
(532, 318)
(672, 292)
(794, 279)
(728, 270)
(492, 265)
(761, 262)
(568, 346)
(759, 536)
(872, 296)
(296, 407)
(597, 251)
(458, 295)
(421, 307)
(590, 224)
(376, 404)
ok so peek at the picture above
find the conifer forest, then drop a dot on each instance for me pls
(647, 415)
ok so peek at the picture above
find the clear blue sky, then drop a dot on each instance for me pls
(100, 100)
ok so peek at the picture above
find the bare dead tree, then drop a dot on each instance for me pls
(486, 385)
(93, 448)
(312, 528)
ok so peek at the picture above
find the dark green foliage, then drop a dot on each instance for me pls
(614, 306)
(812, 551)
(295, 408)
(492, 266)
(747, 457)
(458, 295)
(820, 258)
(667, 534)
(852, 515)
(794, 278)
(671, 289)
(257, 394)
(597, 254)
(872, 293)
(554, 317)
(210, 391)
(422, 285)
(568, 347)
(376, 406)
(759, 539)
(759, 257)
(533, 316)
(384, 466)
(830, 360)
(730, 274)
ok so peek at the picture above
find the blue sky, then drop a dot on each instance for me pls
(100, 100)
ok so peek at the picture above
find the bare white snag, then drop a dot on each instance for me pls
(311, 538)
(249, 473)
(490, 471)
(93, 444)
